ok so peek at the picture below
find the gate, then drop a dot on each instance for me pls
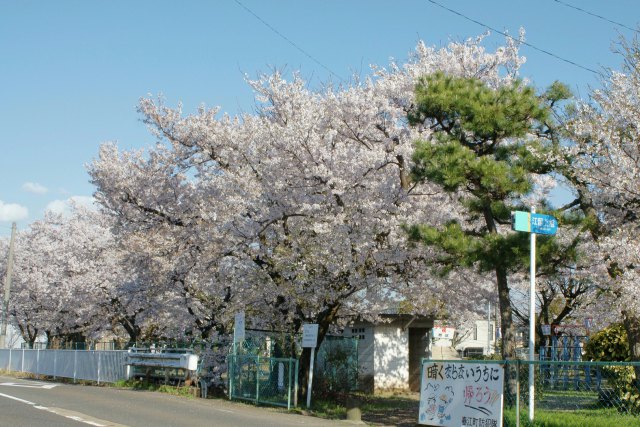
(266, 380)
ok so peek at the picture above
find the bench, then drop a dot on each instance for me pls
(174, 364)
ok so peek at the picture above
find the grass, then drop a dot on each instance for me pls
(575, 418)
(161, 388)
(322, 409)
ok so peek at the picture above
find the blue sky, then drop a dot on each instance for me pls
(72, 72)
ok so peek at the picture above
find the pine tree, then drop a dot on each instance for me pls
(485, 146)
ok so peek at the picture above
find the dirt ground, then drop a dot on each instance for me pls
(393, 409)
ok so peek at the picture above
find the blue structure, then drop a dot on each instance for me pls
(565, 348)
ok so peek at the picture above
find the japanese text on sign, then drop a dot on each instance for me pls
(461, 394)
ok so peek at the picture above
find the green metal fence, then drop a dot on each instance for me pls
(570, 393)
(336, 361)
(266, 380)
(576, 393)
(336, 367)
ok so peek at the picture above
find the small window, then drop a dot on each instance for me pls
(357, 333)
(475, 332)
(472, 352)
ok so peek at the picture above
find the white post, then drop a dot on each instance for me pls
(75, 365)
(532, 317)
(127, 371)
(313, 353)
(99, 360)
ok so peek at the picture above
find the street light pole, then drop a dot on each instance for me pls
(7, 290)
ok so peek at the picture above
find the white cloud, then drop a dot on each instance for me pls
(57, 206)
(12, 211)
(64, 206)
(34, 187)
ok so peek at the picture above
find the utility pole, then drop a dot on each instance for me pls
(7, 290)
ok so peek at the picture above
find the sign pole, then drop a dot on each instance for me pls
(532, 328)
(533, 223)
(310, 341)
(313, 353)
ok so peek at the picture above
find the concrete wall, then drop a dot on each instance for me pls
(391, 357)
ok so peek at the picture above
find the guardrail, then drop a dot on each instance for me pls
(174, 364)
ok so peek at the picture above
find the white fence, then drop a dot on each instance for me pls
(91, 365)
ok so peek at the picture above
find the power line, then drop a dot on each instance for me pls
(308, 55)
(596, 15)
(546, 52)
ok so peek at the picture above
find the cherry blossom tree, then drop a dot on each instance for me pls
(294, 212)
(69, 282)
(604, 167)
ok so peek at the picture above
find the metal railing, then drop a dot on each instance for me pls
(90, 365)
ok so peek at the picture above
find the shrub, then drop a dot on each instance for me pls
(609, 345)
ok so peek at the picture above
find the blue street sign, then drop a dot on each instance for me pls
(543, 224)
(533, 223)
(520, 221)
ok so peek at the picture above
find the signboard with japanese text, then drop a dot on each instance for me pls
(461, 394)
(309, 335)
(533, 223)
(238, 327)
(543, 224)
(443, 332)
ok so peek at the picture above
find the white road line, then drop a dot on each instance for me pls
(65, 413)
(34, 385)
(17, 398)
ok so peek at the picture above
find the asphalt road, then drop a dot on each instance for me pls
(34, 403)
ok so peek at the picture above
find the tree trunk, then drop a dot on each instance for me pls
(325, 319)
(129, 324)
(504, 299)
(508, 332)
(632, 326)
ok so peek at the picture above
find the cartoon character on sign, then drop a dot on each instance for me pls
(430, 411)
(444, 400)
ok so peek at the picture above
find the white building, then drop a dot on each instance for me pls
(390, 353)
(479, 339)
(13, 338)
